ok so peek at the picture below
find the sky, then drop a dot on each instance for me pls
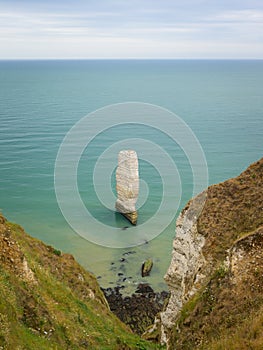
(140, 29)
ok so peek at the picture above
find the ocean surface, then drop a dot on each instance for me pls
(221, 102)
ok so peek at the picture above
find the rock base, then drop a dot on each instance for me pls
(132, 217)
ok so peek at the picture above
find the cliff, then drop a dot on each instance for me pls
(48, 301)
(216, 272)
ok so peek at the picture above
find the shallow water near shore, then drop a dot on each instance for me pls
(221, 101)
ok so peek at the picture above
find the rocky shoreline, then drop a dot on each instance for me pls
(132, 300)
(138, 311)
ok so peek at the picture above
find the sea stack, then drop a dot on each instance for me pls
(127, 185)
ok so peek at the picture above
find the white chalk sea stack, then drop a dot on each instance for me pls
(127, 184)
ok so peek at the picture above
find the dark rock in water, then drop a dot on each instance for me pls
(147, 267)
(107, 291)
(130, 252)
(122, 259)
(138, 310)
(144, 288)
(125, 228)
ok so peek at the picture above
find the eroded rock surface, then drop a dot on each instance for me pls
(127, 185)
(216, 267)
(183, 277)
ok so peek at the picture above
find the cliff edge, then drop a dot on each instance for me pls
(216, 272)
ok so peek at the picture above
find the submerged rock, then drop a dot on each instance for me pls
(127, 185)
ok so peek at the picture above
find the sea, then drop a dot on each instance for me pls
(193, 123)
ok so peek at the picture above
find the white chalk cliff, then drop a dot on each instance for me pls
(184, 273)
(127, 184)
(217, 249)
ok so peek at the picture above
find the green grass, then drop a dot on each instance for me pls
(58, 309)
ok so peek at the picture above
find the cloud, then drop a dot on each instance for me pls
(244, 16)
(118, 33)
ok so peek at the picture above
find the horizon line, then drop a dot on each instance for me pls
(128, 58)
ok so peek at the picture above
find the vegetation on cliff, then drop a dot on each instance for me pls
(227, 311)
(48, 301)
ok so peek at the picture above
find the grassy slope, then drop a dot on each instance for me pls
(227, 313)
(48, 301)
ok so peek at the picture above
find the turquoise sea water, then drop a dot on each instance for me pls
(40, 101)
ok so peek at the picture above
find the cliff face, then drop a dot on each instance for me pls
(216, 273)
(48, 301)
(184, 273)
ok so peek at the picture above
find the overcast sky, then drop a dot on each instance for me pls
(131, 29)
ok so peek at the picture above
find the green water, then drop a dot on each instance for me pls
(40, 101)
